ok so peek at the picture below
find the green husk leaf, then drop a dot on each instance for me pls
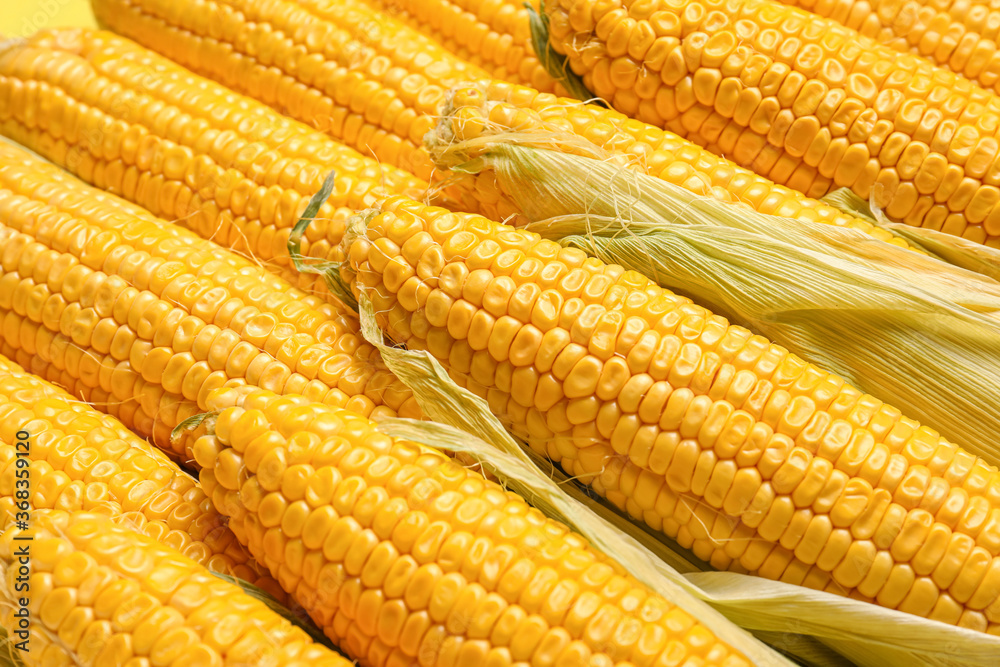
(305, 264)
(553, 62)
(816, 628)
(948, 247)
(915, 331)
(191, 423)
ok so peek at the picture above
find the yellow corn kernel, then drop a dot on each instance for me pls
(920, 140)
(147, 319)
(360, 76)
(120, 598)
(719, 458)
(405, 553)
(187, 150)
(959, 36)
(494, 36)
(500, 107)
(82, 460)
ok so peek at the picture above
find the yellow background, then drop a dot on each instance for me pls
(21, 18)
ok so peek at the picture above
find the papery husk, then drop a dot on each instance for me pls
(912, 330)
(948, 247)
(555, 64)
(8, 654)
(816, 628)
(462, 423)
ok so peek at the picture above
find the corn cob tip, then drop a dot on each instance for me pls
(472, 120)
(464, 117)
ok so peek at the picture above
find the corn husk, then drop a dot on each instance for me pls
(463, 424)
(816, 628)
(917, 332)
(304, 264)
(948, 247)
(554, 63)
(9, 656)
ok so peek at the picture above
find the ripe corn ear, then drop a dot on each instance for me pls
(961, 36)
(359, 75)
(495, 36)
(476, 111)
(104, 595)
(21, 171)
(83, 460)
(131, 122)
(752, 458)
(780, 90)
(149, 323)
(405, 557)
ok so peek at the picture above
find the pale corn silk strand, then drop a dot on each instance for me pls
(911, 329)
(471, 124)
(460, 413)
(800, 98)
(602, 186)
(801, 622)
(8, 656)
(952, 249)
(460, 418)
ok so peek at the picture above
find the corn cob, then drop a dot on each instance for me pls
(495, 36)
(778, 89)
(20, 171)
(103, 595)
(151, 325)
(43, 182)
(402, 556)
(475, 111)
(959, 35)
(359, 75)
(81, 459)
(754, 459)
(134, 124)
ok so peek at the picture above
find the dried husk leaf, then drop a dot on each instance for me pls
(948, 247)
(814, 627)
(910, 329)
